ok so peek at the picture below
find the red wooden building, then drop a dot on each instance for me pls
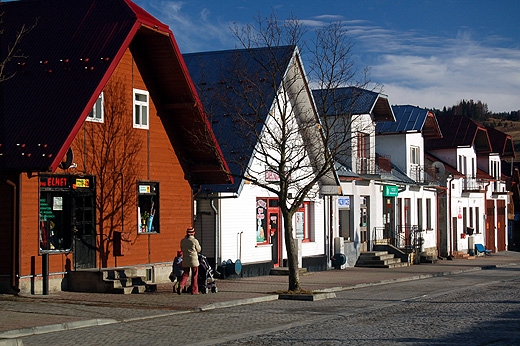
(103, 141)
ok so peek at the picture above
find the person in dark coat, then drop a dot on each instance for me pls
(177, 270)
(190, 248)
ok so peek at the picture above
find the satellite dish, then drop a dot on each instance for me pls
(440, 170)
(66, 162)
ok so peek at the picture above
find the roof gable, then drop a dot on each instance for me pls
(221, 79)
(353, 101)
(68, 57)
(460, 131)
(501, 143)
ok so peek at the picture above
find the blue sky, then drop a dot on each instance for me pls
(423, 53)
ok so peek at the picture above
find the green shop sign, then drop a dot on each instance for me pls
(390, 191)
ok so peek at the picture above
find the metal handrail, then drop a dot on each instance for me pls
(406, 238)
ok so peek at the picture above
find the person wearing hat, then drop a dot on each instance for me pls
(190, 248)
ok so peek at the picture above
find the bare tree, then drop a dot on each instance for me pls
(292, 143)
(13, 48)
(109, 151)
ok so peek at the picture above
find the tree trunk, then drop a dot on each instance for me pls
(292, 253)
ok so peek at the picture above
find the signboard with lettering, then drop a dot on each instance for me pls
(55, 181)
(390, 191)
(51, 182)
(344, 202)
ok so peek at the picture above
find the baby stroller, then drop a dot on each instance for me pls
(206, 279)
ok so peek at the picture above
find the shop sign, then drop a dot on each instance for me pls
(65, 182)
(144, 189)
(344, 202)
(390, 191)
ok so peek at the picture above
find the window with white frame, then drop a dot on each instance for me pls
(97, 114)
(415, 153)
(141, 109)
(495, 169)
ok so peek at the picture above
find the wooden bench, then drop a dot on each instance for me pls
(479, 248)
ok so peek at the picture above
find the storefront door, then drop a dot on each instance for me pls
(276, 236)
(67, 218)
(363, 224)
(84, 230)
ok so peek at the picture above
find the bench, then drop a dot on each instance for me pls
(479, 248)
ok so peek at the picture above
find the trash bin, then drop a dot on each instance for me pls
(232, 268)
(338, 260)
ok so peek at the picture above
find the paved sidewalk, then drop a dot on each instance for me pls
(34, 314)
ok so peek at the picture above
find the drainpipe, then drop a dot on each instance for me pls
(439, 228)
(331, 229)
(450, 232)
(15, 269)
(240, 245)
(217, 245)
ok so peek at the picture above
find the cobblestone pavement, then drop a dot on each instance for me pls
(470, 314)
(34, 314)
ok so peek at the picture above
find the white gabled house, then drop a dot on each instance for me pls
(414, 207)
(351, 113)
(255, 98)
(474, 211)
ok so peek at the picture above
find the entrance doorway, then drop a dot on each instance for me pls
(84, 230)
(67, 218)
(275, 236)
(363, 223)
(268, 228)
(490, 225)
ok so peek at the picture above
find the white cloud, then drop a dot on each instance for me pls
(192, 33)
(432, 71)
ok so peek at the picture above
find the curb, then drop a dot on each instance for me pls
(16, 333)
(231, 303)
(9, 338)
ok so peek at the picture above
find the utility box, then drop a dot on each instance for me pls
(471, 245)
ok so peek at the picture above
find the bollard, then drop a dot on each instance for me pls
(45, 274)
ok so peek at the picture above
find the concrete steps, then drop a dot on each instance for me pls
(123, 280)
(379, 259)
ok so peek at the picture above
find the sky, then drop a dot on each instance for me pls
(425, 53)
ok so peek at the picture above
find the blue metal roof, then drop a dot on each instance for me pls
(407, 119)
(223, 80)
(352, 101)
(341, 101)
(411, 119)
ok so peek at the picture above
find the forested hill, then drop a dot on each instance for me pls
(478, 111)
(507, 122)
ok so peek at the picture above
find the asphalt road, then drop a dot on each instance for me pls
(471, 308)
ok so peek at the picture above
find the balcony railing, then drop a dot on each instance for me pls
(474, 184)
(373, 165)
(365, 165)
(424, 174)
